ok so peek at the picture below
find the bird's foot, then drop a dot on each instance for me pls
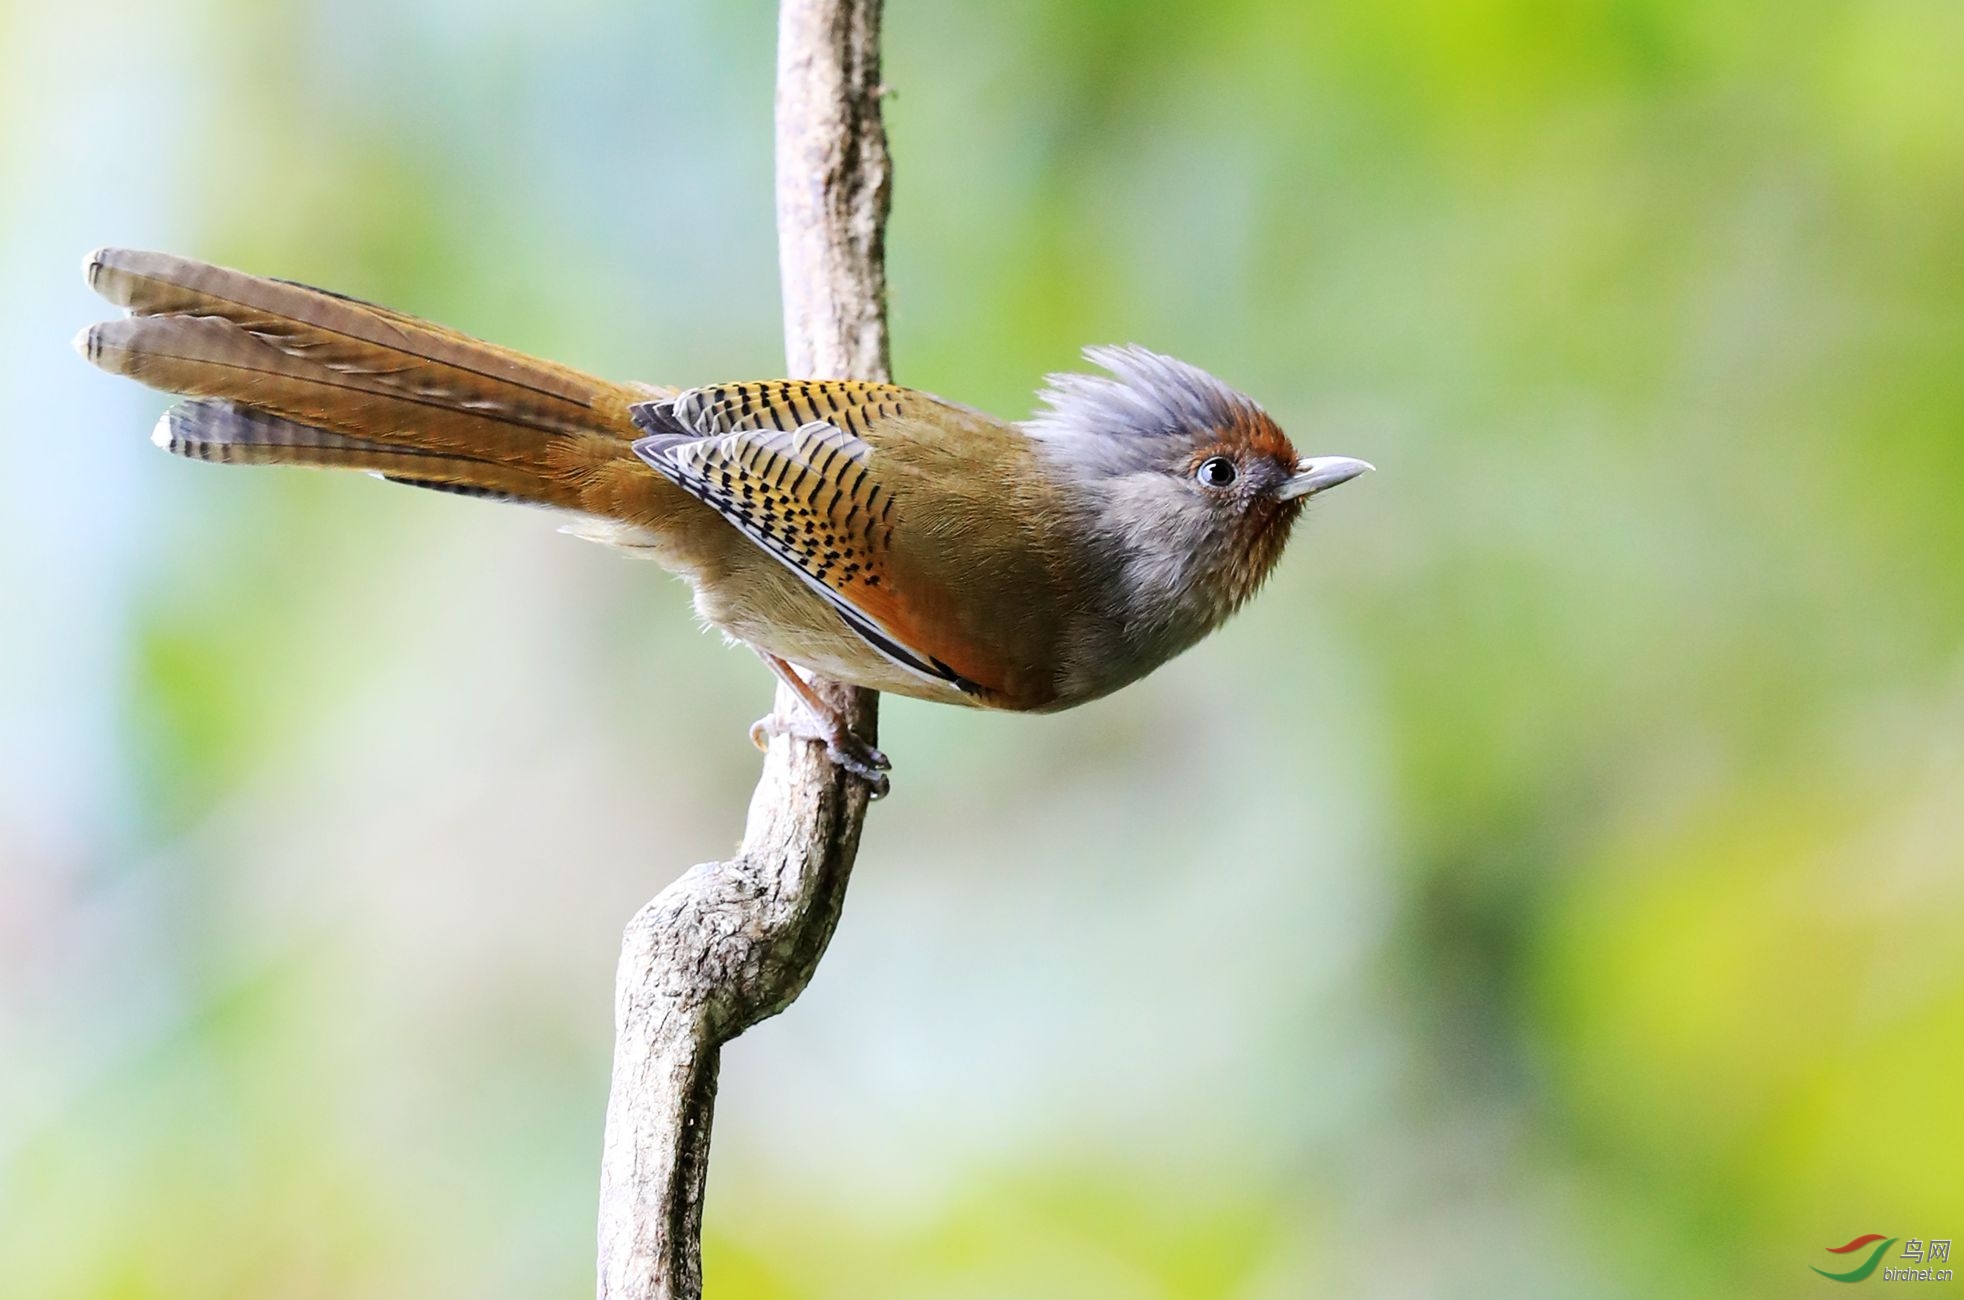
(819, 721)
(844, 748)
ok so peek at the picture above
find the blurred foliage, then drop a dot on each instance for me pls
(1550, 887)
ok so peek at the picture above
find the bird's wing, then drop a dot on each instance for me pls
(850, 405)
(787, 464)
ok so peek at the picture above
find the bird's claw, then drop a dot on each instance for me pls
(842, 747)
(864, 762)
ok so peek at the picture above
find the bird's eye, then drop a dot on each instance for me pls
(1216, 472)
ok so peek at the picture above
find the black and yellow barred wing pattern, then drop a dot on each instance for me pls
(779, 461)
(849, 405)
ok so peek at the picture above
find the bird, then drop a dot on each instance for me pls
(870, 533)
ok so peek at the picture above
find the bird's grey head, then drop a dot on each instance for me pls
(1155, 413)
(1192, 482)
(1149, 413)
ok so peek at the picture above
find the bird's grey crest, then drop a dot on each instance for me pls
(1151, 409)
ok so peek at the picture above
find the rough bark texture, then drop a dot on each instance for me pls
(731, 943)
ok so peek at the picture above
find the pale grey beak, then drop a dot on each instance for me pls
(1316, 473)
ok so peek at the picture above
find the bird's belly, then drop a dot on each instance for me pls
(766, 606)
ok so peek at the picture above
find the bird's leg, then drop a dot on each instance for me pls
(822, 723)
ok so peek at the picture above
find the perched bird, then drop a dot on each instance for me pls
(871, 533)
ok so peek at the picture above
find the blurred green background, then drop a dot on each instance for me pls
(1551, 886)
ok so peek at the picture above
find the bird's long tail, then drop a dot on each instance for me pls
(282, 374)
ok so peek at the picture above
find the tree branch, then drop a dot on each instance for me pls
(731, 943)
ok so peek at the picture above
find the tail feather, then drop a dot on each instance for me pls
(225, 433)
(280, 373)
(335, 330)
